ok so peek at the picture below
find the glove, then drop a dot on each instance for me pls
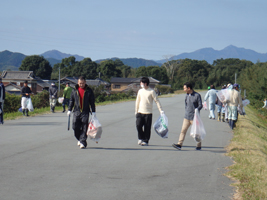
(93, 114)
(162, 112)
(68, 113)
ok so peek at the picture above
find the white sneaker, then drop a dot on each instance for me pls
(78, 144)
(144, 144)
(139, 142)
(82, 146)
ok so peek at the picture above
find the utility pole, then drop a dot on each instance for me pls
(235, 77)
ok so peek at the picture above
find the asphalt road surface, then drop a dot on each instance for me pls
(40, 159)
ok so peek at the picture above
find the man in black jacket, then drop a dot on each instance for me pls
(83, 101)
(25, 92)
(2, 99)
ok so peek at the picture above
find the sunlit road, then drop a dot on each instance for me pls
(40, 159)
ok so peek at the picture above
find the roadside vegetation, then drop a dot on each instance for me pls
(248, 148)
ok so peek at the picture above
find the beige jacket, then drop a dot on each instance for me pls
(144, 101)
(235, 98)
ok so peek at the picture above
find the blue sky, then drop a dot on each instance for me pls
(149, 29)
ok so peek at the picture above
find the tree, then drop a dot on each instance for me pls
(108, 69)
(171, 66)
(40, 66)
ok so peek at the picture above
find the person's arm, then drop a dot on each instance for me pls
(137, 102)
(92, 101)
(155, 97)
(199, 102)
(4, 92)
(206, 96)
(72, 101)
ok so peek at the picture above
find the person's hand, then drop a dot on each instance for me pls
(162, 112)
(68, 113)
(196, 109)
(53, 96)
(93, 114)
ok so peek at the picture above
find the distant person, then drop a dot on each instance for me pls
(192, 102)
(53, 96)
(82, 101)
(143, 111)
(220, 108)
(26, 94)
(2, 100)
(235, 100)
(265, 103)
(66, 96)
(211, 95)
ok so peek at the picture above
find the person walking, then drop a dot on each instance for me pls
(235, 100)
(265, 103)
(66, 96)
(211, 95)
(143, 111)
(26, 94)
(82, 101)
(192, 102)
(2, 100)
(220, 108)
(53, 96)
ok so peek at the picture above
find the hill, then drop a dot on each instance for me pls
(10, 60)
(59, 55)
(134, 62)
(209, 54)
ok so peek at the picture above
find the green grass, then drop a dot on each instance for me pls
(248, 148)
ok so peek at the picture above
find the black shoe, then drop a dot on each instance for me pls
(198, 148)
(63, 111)
(177, 146)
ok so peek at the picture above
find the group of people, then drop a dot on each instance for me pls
(226, 109)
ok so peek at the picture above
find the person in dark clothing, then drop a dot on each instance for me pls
(192, 101)
(2, 99)
(82, 101)
(25, 92)
(52, 96)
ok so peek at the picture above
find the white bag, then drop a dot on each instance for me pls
(60, 100)
(197, 130)
(94, 130)
(205, 105)
(224, 95)
(161, 126)
(29, 105)
(242, 111)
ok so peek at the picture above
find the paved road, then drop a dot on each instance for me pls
(39, 159)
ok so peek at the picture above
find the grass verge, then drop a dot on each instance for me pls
(248, 148)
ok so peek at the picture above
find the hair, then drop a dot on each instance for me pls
(212, 87)
(25, 81)
(145, 80)
(189, 85)
(82, 78)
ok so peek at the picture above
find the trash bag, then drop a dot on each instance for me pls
(205, 105)
(29, 105)
(224, 95)
(161, 126)
(20, 109)
(94, 130)
(197, 130)
(242, 111)
(60, 100)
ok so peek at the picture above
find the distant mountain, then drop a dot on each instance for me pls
(59, 56)
(10, 60)
(134, 62)
(209, 54)
(53, 61)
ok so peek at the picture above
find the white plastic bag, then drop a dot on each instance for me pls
(242, 111)
(94, 130)
(29, 105)
(161, 126)
(60, 100)
(205, 105)
(197, 130)
(224, 95)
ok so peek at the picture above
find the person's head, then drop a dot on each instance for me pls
(144, 82)
(81, 82)
(224, 86)
(229, 84)
(0, 79)
(236, 86)
(188, 87)
(209, 88)
(212, 87)
(67, 84)
(53, 84)
(25, 83)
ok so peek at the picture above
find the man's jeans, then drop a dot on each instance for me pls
(143, 120)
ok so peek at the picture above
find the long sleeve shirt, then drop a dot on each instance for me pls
(192, 101)
(144, 101)
(26, 90)
(235, 98)
(211, 95)
(2, 92)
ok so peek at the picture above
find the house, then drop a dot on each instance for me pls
(17, 78)
(12, 88)
(42, 85)
(125, 84)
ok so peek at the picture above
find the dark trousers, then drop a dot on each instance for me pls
(2, 114)
(65, 102)
(143, 125)
(80, 125)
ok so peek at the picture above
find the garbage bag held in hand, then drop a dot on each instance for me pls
(197, 130)
(205, 105)
(29, 105)
(94, 130)
(161, 126)
(242, 111)
(224, 95)
(60, 100)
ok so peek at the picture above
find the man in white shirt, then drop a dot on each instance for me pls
(143, 111)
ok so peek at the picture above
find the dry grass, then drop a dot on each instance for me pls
(249, 151)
